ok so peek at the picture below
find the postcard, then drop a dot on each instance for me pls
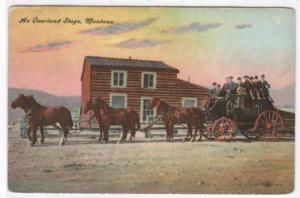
(151, 100)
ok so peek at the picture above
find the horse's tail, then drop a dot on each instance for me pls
(67, 117)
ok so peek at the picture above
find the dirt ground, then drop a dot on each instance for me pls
(85, 166)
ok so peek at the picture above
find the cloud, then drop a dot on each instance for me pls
(194, 27)
(49, 46)
(118, 28)
(243, 26)
(133, 43)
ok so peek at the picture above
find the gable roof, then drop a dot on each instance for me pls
(130, 63)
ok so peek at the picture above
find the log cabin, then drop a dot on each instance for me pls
(131, 83)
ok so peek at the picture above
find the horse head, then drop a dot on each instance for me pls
(21, 101)
(154, 103)
(100, 102)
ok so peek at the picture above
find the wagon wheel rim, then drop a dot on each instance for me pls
(224, 127)
(269, 124)
(208, 132)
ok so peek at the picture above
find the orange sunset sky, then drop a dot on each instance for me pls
(206, 44)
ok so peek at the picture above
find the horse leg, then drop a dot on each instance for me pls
(167, 131)
(132, 134)
(170, 133)
(42, 134)
(101, 134)
(200, 128)
(105, 133)
(28, 134)
(64, 136)
(124, 135)
(34, 138)
(195, 134)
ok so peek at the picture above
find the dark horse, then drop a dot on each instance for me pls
(107, 116)
(39, 116)
(172, 115)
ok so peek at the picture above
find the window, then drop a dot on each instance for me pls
(118, 100)
(118, 79)
(189, 102)
(146, 114)
(149, 80)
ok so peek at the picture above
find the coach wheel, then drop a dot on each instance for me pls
(269, 124)
(224, 128)
(208, 132)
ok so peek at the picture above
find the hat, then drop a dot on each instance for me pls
(251, 78)
(230, 77)
(263, 75)
(255, 77)
(214, 83)
(239, 78)
(246, 76)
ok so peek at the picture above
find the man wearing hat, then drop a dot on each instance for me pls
(231, 87)
(225, 87)
(264, 88)
(239, 85)
(212, 91)
(247, 84)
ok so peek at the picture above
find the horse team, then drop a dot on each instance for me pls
(39, 116)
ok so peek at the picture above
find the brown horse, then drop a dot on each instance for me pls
(171, 116)
(107, 116)
(91, 106)
(39, 116)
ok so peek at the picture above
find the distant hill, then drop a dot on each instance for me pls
(71, 102)
(284, 97)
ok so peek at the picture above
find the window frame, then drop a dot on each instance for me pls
(154, 80)
(124, 80)
(118, 94)
(189, 98)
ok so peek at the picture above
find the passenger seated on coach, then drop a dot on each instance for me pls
(212, 90)
(240, 87)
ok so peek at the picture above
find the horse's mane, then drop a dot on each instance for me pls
(99, 100)
(168, 108)
(33, 102)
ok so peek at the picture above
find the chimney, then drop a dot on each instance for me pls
(189, 78)
(129, 58)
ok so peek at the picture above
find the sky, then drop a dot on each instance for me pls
(205, 44)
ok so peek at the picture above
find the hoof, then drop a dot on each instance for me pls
(61, 143)
(186, 139)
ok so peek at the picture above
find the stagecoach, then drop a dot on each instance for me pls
(241, 114)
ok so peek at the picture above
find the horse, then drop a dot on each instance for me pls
(39, 116)
(127, 118)
(91, 106)
(172, 115)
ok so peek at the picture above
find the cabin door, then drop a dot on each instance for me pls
(146, 114)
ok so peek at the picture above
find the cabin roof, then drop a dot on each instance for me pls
(130, 63)
(182, 84)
